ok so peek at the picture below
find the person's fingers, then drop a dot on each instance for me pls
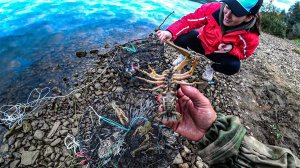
(166, 36)
(171, 124)
(228, 47)
(162, 38)
(219, 51)
(193, 93)
(158, 32)
(221, 46)
(178, 107)
(179, 93)
(182, 97)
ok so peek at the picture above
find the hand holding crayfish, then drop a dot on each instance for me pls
(197, 113)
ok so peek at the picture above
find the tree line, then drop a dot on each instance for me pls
(281, 23)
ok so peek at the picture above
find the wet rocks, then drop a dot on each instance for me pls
(49, 150)
(55, 142)
(14, 164)
(54, 129)
(4, 148)
(178, 159)
(39, 135)
(81, 54)
(94, 51)
(29, 157)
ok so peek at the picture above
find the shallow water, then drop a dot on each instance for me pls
(39, 39)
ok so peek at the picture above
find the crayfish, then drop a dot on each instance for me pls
(119, 113)
(168, 82)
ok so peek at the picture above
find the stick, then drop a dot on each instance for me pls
(158, 28)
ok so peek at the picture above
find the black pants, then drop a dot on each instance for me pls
(223, 63)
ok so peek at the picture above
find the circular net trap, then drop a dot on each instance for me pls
(137, 55)
(108, 141)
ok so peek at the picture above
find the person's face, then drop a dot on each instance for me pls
(231, 20)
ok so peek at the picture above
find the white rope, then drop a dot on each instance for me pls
(71, 143)
(11, 114)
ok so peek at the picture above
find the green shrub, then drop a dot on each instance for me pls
(274, 24)
(296, 30)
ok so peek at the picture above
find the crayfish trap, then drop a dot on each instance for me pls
(119, 132)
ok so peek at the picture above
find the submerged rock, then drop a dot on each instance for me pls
(94, 51)
(81, 54)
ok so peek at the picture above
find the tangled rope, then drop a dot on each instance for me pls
(11, 114)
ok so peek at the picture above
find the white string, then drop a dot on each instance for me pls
(11, 114)
(71, 143)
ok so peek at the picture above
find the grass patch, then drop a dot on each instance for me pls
(297, 51)
(297, 41)
(276, 132)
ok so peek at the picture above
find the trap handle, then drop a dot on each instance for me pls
(183, 51)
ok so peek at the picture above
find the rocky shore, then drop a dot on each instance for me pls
(265, 94)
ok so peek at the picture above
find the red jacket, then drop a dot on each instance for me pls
(244, 42)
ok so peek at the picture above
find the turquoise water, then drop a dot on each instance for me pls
(37, 36)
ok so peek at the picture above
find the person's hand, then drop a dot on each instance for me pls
(197, 113)
(224, 48)
(163, 35)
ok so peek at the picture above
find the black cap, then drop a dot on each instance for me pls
(244, 7)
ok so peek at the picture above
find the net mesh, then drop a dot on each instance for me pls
(139, 54)
(107, 142)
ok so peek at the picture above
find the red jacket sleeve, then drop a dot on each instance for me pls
(192, 20)
(246, 45)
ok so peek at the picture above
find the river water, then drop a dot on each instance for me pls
(39, 39)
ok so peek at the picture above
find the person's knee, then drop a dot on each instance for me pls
(180, 42)
(188, 40)
(233, 67)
